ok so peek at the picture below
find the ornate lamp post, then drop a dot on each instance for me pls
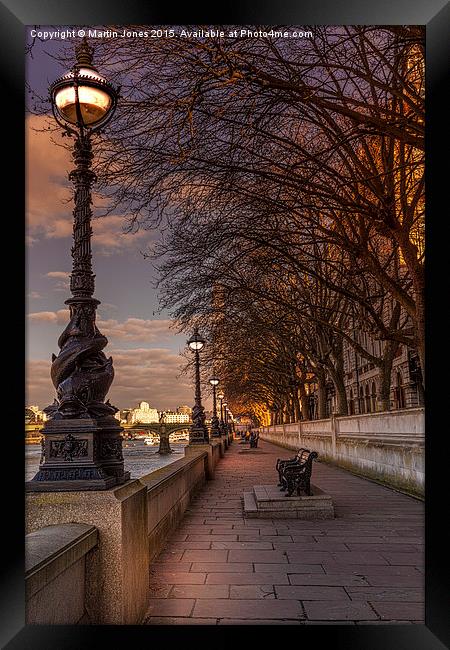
(82, 447)
(215, 430)
(221, 397)
(198, 432)
(225, 421)
(230, 424)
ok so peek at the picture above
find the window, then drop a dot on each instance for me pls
(374, 397)
(361, 400)
(399, 392)
(351, 406)
(368, 403)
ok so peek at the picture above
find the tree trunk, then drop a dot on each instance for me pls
(337, 375)
(391, 348)
(420, 330)
(338, 381)
(297, 406)
(322, 396)
(305, 402)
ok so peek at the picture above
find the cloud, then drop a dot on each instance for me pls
(109, 237)
(39, 387)
(58, 274)
(47, 187)
(34, 294)
(49, 195)
(61, 277)
(136, 329)
(132, 329)
(152, 375)
(60, 317)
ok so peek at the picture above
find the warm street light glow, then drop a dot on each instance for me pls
(220, 395)
(93, 102)
(82, 96)
(214, 381)
(196, 342)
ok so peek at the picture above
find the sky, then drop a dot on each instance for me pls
(145, 350)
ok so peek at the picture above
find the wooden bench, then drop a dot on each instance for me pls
(281, 464)
(296, 475)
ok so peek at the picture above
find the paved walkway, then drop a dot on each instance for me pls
(363, 567)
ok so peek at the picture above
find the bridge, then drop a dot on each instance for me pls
(162, 429)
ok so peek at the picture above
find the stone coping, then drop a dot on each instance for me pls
(155, 479)
(273, 493)
(267, 501)
(51, 550)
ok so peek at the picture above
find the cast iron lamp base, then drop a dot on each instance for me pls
(80, 454)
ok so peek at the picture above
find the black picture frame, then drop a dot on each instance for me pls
(15, 15)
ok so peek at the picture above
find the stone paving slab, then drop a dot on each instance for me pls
(339, 611)
(248, 578)
(363, 567)
(248, 609)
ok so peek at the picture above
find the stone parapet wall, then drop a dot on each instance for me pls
(57, 560)
(387, 446)
(169, 492)
(109, 583)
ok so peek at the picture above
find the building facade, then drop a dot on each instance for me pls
(363, 382)
(170, 417)
(185, 410)
(34, 415)
(143, 414)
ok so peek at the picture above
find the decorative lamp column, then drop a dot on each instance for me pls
(198, 432)
(164, 433)
(223, 435)
(82, 447)
(215, 426)
(225, 420)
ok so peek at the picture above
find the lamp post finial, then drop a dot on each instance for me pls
(84, 52)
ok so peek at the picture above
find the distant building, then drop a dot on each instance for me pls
(143, 414)
(176, 418)
(185, 409)
(33, 415)
(122, 415)
(362, 381)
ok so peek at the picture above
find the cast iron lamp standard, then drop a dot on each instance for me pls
(198, 432)
(82, 447)
(221, 397)
(225, 425)
(215, 427)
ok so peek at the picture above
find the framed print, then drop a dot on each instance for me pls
(227, 323)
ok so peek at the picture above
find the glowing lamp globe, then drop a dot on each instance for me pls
(83, 97)
(196, 342)
(213, 381)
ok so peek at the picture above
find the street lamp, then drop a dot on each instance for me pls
(229, 423)
(215, 430)
(225, 424)
(82, 443)
(221, 397)
(198, 432)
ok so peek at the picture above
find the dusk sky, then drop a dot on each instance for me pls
(145, 351)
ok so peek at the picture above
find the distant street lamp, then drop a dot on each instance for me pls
(198, 432)
(225, 425)
(215, 426)
(221, 397)
(82, 441)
